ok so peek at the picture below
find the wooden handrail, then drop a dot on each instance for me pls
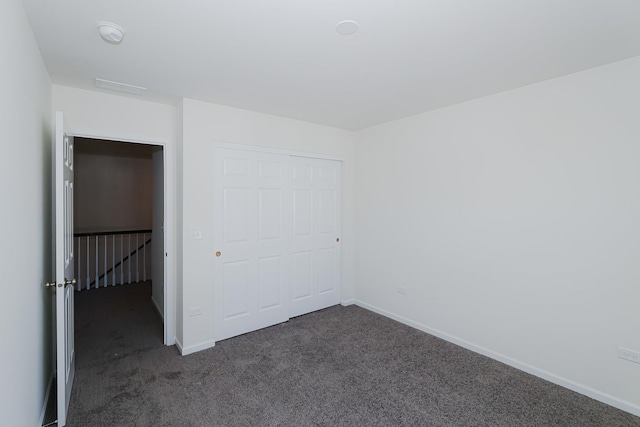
(110, 233)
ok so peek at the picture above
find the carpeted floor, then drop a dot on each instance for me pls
(336, 367)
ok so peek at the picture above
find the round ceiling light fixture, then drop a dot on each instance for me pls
(348, 27)
(110, 32)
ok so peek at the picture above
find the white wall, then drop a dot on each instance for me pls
(205, 124)
(512, 222)
(113, 187)
(118, 118)
(25, 227)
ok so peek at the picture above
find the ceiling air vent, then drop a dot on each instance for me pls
(120, 87)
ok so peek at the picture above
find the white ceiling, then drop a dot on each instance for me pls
(284, 57)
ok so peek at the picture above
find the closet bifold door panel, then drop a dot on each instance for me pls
(251, 241)
(315, 234)
(276, 238)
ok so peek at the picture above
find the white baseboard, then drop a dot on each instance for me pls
(194, 348)
(347, 302)
(43, 413)
(556, 379)
(155, 304)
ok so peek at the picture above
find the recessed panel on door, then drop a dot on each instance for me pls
(327, 174)
(235, 167)
(270, 213)
(236, 288)
(236, 215)
(302, 212)
(269, 170)
(327, 211)
(326, 270)
(270, 278)
(302, 274)
(68, 238)
(301, 173)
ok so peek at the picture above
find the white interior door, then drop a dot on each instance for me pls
(251, 241)
(315, 241)
(64, 260)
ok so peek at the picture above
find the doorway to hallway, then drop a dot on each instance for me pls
(119, 232)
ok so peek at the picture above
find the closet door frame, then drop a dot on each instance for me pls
(269, 150)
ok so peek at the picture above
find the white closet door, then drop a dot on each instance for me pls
(251, 242)
(315, 246)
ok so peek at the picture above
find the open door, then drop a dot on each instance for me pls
(64, 260)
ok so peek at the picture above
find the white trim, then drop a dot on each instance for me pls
(43, 413)
(271, 150)
(169, 227)
(157, 307)
(170, 231)
(118, 139)
(556, 379)
(178, 345)
(195, 348)
(347, 302)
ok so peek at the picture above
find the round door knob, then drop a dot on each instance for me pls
(218, 253)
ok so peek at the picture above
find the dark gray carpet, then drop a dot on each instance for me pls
(336, 367)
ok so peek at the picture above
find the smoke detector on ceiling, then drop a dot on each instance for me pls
(110, 32)
(348, 27)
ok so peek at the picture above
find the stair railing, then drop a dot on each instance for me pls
(112, 258)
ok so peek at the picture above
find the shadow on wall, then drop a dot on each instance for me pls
(114, 183)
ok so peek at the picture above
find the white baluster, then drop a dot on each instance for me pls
(144, 256)
(88, 261)
(105, 261)
(121, 259)
(129, 255)
(137, 259)
(97, 267)
(113, 260)
(79, 264)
